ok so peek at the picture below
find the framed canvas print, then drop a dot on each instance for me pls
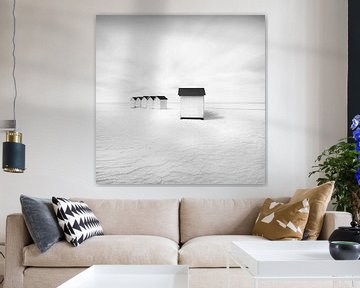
(180, 99)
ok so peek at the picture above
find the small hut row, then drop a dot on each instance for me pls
(149, 102)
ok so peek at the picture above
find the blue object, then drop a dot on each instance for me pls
(13, 157)
(355, 122)
(356, 134)
(357, 175)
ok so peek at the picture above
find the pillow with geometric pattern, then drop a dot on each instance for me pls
(77, 220)
(279, 221)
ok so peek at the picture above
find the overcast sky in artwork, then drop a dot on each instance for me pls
(156, 55)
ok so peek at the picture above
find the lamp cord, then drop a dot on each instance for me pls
(14, 61)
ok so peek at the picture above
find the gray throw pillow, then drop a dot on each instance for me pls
(41, 221)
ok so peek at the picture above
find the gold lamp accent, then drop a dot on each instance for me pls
(14, 136)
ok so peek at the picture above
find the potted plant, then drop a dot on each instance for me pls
(341, 163)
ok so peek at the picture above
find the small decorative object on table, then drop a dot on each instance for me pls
(341, 163)
(345, 233)
(344, 250)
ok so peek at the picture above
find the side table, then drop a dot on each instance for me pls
(287, 262)
(131, 276)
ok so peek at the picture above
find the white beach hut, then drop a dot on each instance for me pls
(192, 103)
(137, 102)
(160, 102)
(133, 102)
(143, 102)
(150, 102)
(163, 102)
(156, 103)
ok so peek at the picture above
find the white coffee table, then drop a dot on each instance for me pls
(297, 260)
(131, 276)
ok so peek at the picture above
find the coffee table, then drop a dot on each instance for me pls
(292, 260)
(131, 276)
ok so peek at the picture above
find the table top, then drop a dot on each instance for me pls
(131, 276)
(291, 259)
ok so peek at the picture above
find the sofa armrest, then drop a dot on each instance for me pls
(17, 237)
(333, 220)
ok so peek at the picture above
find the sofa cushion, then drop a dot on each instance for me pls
(107, 249)
(200, 217)
(319, 198)
(279, 221)
(77, 220)
(41, 221)
(211, 251)
(158, 217)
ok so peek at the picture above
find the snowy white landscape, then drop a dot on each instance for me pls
(152, 146)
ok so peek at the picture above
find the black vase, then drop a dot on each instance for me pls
(351, 234)
(344, 250)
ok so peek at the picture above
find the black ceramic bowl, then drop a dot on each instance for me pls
(344, 250)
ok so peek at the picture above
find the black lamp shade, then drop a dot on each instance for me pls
(13, 157)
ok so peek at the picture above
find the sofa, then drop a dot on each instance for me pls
(194, 232)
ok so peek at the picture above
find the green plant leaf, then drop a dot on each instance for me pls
(338, 163)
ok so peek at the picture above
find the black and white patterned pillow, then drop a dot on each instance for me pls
(77, 220)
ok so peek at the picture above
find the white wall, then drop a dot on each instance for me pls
(306, 93)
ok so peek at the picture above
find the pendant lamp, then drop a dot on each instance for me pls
(13, 160)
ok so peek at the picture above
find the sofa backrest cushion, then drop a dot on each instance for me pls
(159, 217)
(200, 217)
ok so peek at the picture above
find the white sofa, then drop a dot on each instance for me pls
(194, 232)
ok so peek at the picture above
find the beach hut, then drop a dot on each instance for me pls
(150, 102)
(138, 102)
(133, 102)
(143, 102)
(161, 102)
(156, 103)
(192, 103)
